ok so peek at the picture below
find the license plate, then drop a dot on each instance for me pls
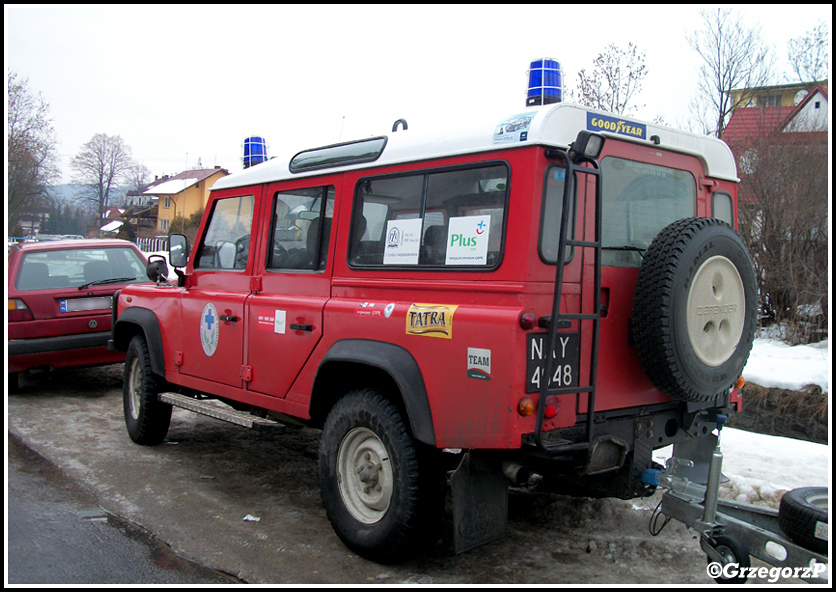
(79, 304)
(567, 355)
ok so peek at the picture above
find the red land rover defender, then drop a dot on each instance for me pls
(559, 296)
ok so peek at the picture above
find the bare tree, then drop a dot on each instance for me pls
(734, 58)
(809, 55)
(783, 199)
(138, 178)
(100, 165)
(616, 78)
(30, 150)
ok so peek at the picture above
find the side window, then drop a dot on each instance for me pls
(722, 207)
(551, 215)
(446, 218)
(226, 242)
(301, 228)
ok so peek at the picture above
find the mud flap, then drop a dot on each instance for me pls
(480, 502)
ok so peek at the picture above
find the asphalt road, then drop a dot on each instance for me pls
(248, 504)
(58, 534)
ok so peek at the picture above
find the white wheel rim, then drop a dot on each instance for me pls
(134, 388)
(716, 311)
(365, 476)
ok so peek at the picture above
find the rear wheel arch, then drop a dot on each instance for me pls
(141, 321)
(362, 363)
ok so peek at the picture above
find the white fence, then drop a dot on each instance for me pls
(150, 245)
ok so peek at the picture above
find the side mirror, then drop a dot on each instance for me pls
(157, 270)
(178, 250)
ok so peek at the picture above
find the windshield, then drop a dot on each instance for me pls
(71, 268)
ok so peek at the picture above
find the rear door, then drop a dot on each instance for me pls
(213, 327)
(285, 315)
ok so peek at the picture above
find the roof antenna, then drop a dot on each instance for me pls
(401, 121)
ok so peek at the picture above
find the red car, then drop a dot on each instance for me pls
(60, 296)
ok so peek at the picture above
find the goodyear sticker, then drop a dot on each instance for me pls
(604, 123)
(209, 329)
(430, 320)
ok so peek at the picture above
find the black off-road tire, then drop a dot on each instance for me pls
(802, 516)
(695, 309)
(374, 484)
(146, 417)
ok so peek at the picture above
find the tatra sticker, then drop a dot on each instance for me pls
(467, 240)
(430, 320)
(403, 242)
(209, 329)
(479, 363)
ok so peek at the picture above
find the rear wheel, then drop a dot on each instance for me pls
(373, 484)
(146, 417)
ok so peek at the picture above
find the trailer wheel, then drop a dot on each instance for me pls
(732, 551)
(146, 417)
(371, 479)
(802, 516)
(695, 309)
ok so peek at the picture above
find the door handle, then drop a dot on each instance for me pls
(228, 319)
(298, 327)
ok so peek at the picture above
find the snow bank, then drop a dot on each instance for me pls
(774, 364)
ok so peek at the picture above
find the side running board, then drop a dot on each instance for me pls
(207, 407)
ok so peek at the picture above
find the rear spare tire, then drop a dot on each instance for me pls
(695, 309)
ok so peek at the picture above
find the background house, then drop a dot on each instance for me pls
(182, 195)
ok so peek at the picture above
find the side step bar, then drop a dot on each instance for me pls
(230, 415)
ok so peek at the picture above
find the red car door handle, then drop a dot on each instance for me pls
(297, 327)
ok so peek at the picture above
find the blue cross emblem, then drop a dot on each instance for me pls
(481, 224)
(209, 319)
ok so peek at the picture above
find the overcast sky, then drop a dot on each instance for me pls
(184, 85)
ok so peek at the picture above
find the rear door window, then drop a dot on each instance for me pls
(639, 200)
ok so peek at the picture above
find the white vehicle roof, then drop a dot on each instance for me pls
(551, 125)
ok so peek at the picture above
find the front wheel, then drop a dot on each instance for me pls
(146, 417)
(371, 478)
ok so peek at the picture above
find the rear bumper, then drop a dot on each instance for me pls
(89, 349)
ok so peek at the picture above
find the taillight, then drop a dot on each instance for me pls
(18, 311)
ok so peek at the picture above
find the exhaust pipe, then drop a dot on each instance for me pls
(516, 473)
